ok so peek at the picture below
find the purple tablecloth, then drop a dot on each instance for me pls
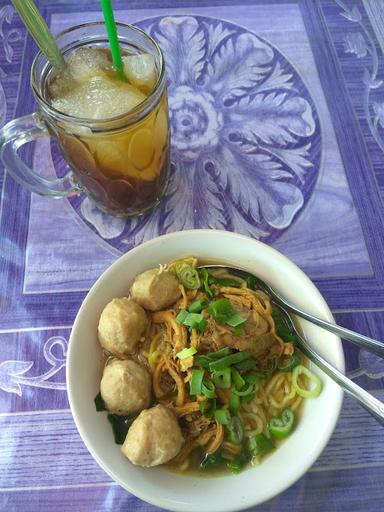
(277, 113)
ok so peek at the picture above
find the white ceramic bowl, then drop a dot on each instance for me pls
(191, 493)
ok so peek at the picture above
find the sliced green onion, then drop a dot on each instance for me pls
(200, 327)
(99, 402)
(222, 378)
(259, 444)
(207, 408)
(239, 331)
(234, 403)
(251, 283)
(248, 364)
(208, 389)
(248, 398)
(197, 306)
(219, 353)
(211, 460)
(251, 378)
(282, 329)
(246, 391)
(237, 464)
(192, 320)
(272, 365)
(281, 426)
(201, 360)
(221, 310)
(186, 352)
(222, 416)
(305, 393)
(187, 275)
(237, 379)
(182, 315)
(196, 382)
(236, 320)
(224, 362)
(287, 364)
(235, 430)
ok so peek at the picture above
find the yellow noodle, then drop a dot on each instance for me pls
(165, 337)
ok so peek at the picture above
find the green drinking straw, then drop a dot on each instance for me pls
(113, 40)
(39, 31)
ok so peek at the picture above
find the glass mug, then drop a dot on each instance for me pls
(121, 163)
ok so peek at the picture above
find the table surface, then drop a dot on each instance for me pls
(277, 113)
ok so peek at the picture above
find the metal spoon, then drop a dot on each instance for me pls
(377, 347)
(365, 399)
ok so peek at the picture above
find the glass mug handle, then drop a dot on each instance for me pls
(14, 135)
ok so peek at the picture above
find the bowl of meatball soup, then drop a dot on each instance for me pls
(184, 383)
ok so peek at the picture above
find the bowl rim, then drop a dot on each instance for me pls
(339, 362)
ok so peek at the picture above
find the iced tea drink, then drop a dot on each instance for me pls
(114, 134)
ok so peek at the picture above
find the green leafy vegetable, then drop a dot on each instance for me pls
(120, 426)
(282, 329)
(251, 283)
(237, 464)
(287, 364)
(206, 286)
(224, 281)
(222, 378)
(211, 460)
(99, 403)
(221, 310)
(259, 445)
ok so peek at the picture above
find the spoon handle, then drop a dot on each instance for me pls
(365, 399)
(362, 341)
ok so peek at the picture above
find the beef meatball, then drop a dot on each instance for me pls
(122, 323)
(125, 387)
(155, 289)
(154, 437)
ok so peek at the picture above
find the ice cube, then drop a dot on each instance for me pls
(86, 63)
(61, 83)
(99, 98)
(141, 71)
